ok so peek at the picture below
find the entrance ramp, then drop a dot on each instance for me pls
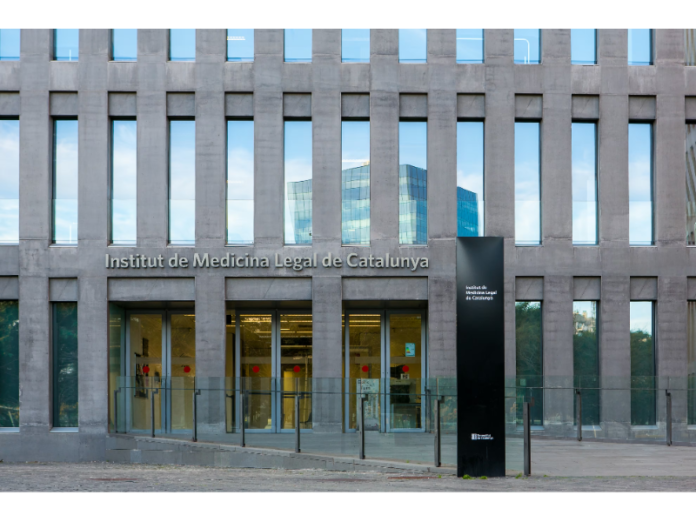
(164, 451)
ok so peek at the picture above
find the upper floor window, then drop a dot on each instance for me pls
(298, 182)
(9, 44)
(527, 45)
(182, 45)
(690, 184)
(640, 47)
(125, 45)
(413, 45)
(65, 181)
(240, 45)
(355, 45)
(413, 183)
(527, 183)
(240, 182)
(66, 45)
(355, 183)
(470, 178)
(583, 46)
(124, 182)
(584, 154)
(9, 181)
(298, 45)
(640, 184)
(182, 182)
(469, 45)
(642, 320)
(689, 46)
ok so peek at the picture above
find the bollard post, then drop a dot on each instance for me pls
(438, 438)
(116, 392)
(668, 397)
(361, 426)
(578, 413)
(297, 422)
(195, 415)
(242, 443)
(527, 440)
(153, 392)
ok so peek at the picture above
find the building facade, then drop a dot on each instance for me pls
(177, 212)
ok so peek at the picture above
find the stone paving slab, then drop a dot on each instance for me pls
(106, 477)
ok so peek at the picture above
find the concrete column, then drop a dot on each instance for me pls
(211, 136)
(442, 327)
(153, 146)
(327, 353)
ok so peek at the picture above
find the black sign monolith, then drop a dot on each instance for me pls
(480, 357)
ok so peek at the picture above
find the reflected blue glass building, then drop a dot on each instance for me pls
(413, 205)
(467, 213)
(355, 188)
(300, 193)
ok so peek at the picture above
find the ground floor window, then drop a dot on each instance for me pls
(586, 360)
(529, 360)
(9, 364)
(65, 389)
(643, 407)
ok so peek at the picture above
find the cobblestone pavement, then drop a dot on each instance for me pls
(41, 476)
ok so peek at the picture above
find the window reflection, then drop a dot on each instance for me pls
(529, 360)
(125, 45)
(413, 45)
(298, 45)
(640, 184)
(691, 363)
(66, 45)
(9, 44)
(65, 387)
(355, 45)
(527, 183)
(182, 182)
(9, 369)
(124, 182)
(639, 47)
(413, 183)
(691, 184)
(583, 46)
(469, 45)
(9, 181)
(240, 182)
(527, 46)
(689, 46)
(240, 45)
(586, 359)
(584, 183)
(642, 364)
(182, 45)
(298, 182)
(470, 209)
(65, 182)
(355, 166)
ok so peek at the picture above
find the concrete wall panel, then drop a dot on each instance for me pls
(268, 289)
(123, 104)
(63, 290)
(9, 288)
(10, 104)
(152, 289)
(385, 288)
(239, 105)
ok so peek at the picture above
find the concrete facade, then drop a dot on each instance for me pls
(211, 89)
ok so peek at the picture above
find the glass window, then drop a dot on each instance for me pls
(527, 45)
(66, 45)
(529, 360)
(527, 183)
(182, 45)
(124, 182)
(640, 184)
(691, 363)
(182, 182)
(240, 182)
(586, 359)
(65, 392)
(584, 183)
(470, 179)
(298, 182)
(640, 47)
(298, 45)
(413, 45)
(9, 181)
(689, 46)
(469, 45)
(125, 45)
(583, 46)
(413, 183)
(355, 45)
(9, 364)
(355, 183)
(642, 364)
(240, 45)
(9, 44)
(65, 182)
(690, 184)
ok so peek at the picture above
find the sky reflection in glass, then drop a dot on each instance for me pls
(125, 45)
(583, 46)
(355, 45)
(9, 182)
(240, 45)
(66, 45)
(355, 182)
(9, 44)
(584, 156)
(527, 183)
(182, 182)
(65, 182)
(413, 45)
(469, 45)
(413, 183)
(124, 182)
(298, 45)
(527, 46)
(470, 209)
(639, 47)
(240, 182)
(640, 184)
(298, 182)
(182, 45)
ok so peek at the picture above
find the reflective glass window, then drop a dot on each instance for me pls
(182, 45)
(586, 359)
(642, 364)
(125, 45)
(9, 364)
(65, 390)
(65, 182)
(691, 184)
(584, 183)
(583, 46)
(9, 44)
(298, 182)
(182, 182)
(689, 46)
(640, 184)
(124, 182)
(240, 182)
(527, 183)
(298, 45)
(691, 363)
(527, 45)
(355, 45)
(240, 45)
(469, 45)
(355, 182)
(9, 181)
(413, 45)
(413, 183)
(470, 179)
(640, 47)
(529, 360)
(66, 45)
